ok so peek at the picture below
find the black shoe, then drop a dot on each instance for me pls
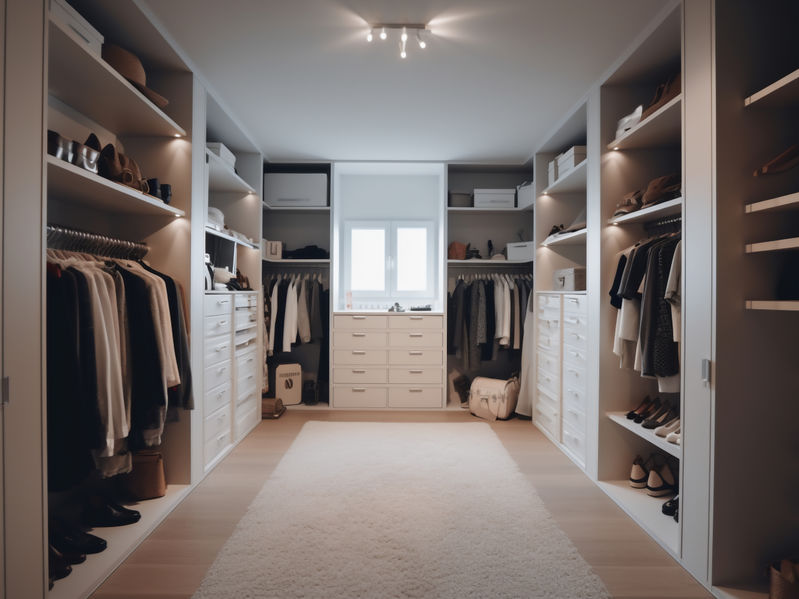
(111, 514)
(77, 541)
(58, 566)
(652, 409)
(671, 506)
(652, 420)
(645, 403)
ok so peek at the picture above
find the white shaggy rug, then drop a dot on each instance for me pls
(373, 510)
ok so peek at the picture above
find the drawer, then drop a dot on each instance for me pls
(217, 325)
(416, 376)
(244, 340)
(343, 357)
(247, 396)
(548, 324)
(246, 382)
(217, 398)
(575, 442)
(548, 301)
(415, 397)
(546, 398)
(574, 398)
(575, 304)
(575, 322)
(575, 337)
(547, 421)
(359, 375)
(549, 342)
(548, 362)
(432, 357)
(217, 349)
(218, 374)
(358, 340)
(246, 300)
(246, 363)
(574, 357)
(409, 339)
(575, 419)
(216, 304)
(217, 423)
(549, 381)
(416, 321)
(216, 446)
(246, 419)
(574, 378)
(359, 397)
(548, 313)
(359, 322)
(245, 319)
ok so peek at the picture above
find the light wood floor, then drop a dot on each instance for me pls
(171, 563)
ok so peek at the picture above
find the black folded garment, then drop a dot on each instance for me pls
(309, 252)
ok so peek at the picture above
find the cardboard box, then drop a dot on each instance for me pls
(524, 250)
(494, 198)
(221, 150)
(569, 279)
(62, 13)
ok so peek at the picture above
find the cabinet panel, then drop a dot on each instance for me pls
(415, 375)
(216, 445)
(575, 304)
(359, 321)
(217, 349)
(415, 321)
(342, 357)
(359, 397)
(549, 362)
(217, 325)
(217, 304)
(217, 374)
(426, 339)
(359, 375)
(550, 382)
(432, 357)
(217, 397)
(415, 397)
(358, 340)
(217, 423)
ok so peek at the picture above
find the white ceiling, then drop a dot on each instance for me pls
(495, 77)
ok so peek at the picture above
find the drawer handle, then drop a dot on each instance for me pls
(221, 370)
(220, 395)
(221, 347)
(250, 376)
(358, 390)
(416, 335)
(220, 438)
(359, 317)
(358, 353)
(415, 353)
(221, 302)
(415, 390)
(416, 371)
(417, 317)
(250, 360)
(221, 323)
(574, 300)
(359, 334)
(358, 372)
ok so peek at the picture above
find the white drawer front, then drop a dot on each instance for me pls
(245, 319)
(246, 364)
(432, 357)
(574, 356)
(544, 397)
(574, 398)
(549, 342)
(216, 446)
(359, 375)
(574, 378)
(246, 418)
(218, 374)
(343, 357)
(217, 304)
(246, 300)
(244, 341)
(550, 382)
(575, 337)
(415, 397)
(359, 322)
(575, 322)
(413, 376)
(416, 321)
(575, 441)
(548, 326)
(418, 339)
(217, 423)
(359, 397)
(575, 304)
(574, 418)
(216, 398)
(359, 339)
(246, 396)
(548, 301)
(547, 421)
(548, 362)
(217, 325)
(551, 314)
(218, 349)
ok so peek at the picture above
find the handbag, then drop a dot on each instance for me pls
(147, 479)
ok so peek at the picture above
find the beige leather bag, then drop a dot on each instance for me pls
(493, 399)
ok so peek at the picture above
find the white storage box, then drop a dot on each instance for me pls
(221, 150)
(284, 190)
(524, 250)
(288, 384)
(494, 198)
(63, 14)
(525, 195)
(271, 250)
(569, 279)
(553, 172)
(570, 158)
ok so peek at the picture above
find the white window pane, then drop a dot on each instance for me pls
(411, 259)
(368, 259)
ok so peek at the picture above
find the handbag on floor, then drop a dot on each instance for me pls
(147, 479)
(493, 399)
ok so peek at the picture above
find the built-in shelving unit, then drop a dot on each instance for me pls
(572, 238)
(229, 237)
(651, 213)
(786, 202)
(473, 210)
(773, 246)
(648, 435)
(479, 263)
(295, 209)
(301, 261)
(660, 129)
(773, 305)
(222, 177)
(573, 181)
(783, 92)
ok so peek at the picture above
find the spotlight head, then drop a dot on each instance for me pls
(383, 34)
(404, 36)
(420, 41)
(369, 36)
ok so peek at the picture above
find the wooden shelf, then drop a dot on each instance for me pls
(773, 246)
(294, 209)
(573, 238)
(479, 263)
(87, 83)
(70, 183)
(573, 181)
(784, 92)
(781, 203)
(222, 178)
(229, 237)
(662, 128)
(300, 261)
(651, 213)
(773, 305)
(648, 435)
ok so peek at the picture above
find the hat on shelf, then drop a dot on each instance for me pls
(577, 224)
(629, 203)
(130, 67)
(661, 189)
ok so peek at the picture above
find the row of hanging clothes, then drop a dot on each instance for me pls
(118, 363)
(485, 315)
(646, 293)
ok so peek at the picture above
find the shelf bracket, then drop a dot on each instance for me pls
(706, 371)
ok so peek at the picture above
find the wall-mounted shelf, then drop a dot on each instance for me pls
(773, 305)
(75, 75)
(648, 435)
(235, 240)
(786, 202)
(572, 182)
(784, 92)
(573, 238)
(651, 213)
(70, 183)
(301, 261)
(773, 246)
(294, 209)
(473, 210)
(479, 263)
(222, 178)
(663, 128)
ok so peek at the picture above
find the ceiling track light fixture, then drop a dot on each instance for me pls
(404, 29)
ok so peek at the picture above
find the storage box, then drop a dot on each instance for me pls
(285, 190)
(460, 200)
(69, 18)
(288, 384)
(221, 150)
(494, 198)
(524, 250)
(552, 170)
(271, 250)
(569, 279)
(570, 158)
(525, 195)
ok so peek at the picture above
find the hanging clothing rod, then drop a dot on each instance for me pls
(667, 222)
(64, 238)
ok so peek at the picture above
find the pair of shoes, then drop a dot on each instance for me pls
(664, 93)
(654, 475)
(162, 191)
(645, 403)
(666, 414)
(85, 155)
(674, 437)
(106, 513)
(653, 408)
(671, 506)
(670, 427)
(629, 121)
(71, 540)
(58, 566)
(556, 229)
(786, 160)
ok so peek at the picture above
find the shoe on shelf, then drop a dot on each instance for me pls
(669, 427)
(652, 409)
(73, 540)
(781, 163)
(661, 481)
(655, 419)
(645, 403)
(671, 506)
(664, 93)
(108, 513)
(58, 566)
(674, 437)
(639, 473)
(661, 420)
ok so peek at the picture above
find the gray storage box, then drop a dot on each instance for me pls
(569, 279)
(286, 190)
(460, 200)
(494, 198)
(552, 171)
(69, 18)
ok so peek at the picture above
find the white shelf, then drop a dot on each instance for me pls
(91, 86)
(786, 202)
(221, 177)
(246, 244)
(661, 128)
(773, 246)
(573, 238)
(300, 261)
(646, 511)
(775, 305)
(648, 435)
(473, 210)
(573, 181)
(483, 262)
(651, 213)
(748, 592)
(122, 541)
(295, 209)
(70, 183)
(784, 92)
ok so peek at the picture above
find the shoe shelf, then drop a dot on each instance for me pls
(662, 128)
(784, 92)
(87, 83)
(479, 263)
(300, 261)
(294, 209)
(122, 541)
(781, 203)
(572, 182)
(223, 178)
(70, 183)
(573, 238)
(747, 592)
(646, 511)
(235, 240)
(773, 246)
(669, 208)
(773, 305)
(648, 435)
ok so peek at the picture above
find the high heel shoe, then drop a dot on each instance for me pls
(639, 473)
(671, 506)
(657, 418)
(669, 427)
(653, 408)
(661, 481)
(645, 403)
